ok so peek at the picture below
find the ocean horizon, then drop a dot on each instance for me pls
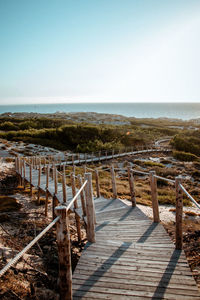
(184, 111)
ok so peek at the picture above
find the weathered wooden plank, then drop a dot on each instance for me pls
(163, 287)
(150, 294)
(149, 277)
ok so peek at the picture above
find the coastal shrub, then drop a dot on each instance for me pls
(7, 126)
(184, 156)
(186, 143)
(27, 125)
(150, 163)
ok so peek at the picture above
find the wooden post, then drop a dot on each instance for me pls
(17, 164)
(30, 175)
(78, 224)
(47, 193)
(114, 188)
(90, 211)
(64, 253)
(99, 156)
(85, 157)
(21, 170)
(106, 155)
(80, 183)
(39, 182)
(24, 167)
(64, 186)
(84, 167)
(153, 184)
(55, 180)
(131, 184)
(97, 183)
(179, 213)
(24, 173)
(73, 163)
(45, 162)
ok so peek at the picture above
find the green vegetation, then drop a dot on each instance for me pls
(184, 156)
(187, 141)
(61, 132)
(80, 137)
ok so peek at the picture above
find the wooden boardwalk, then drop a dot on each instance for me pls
(112, 156)
(132, 258)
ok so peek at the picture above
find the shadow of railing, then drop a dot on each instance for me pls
(89, 283)
(147, 233)
(164, 281)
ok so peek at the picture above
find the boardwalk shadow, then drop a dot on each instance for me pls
(164, 281)
(147, 233)
(127, 213)
(102, 269)
(99, 227)
(110, 202)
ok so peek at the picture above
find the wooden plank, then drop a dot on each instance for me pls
(150, 294)
(136, 286)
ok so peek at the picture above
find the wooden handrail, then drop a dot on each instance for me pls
(189, 196)
(75, 197)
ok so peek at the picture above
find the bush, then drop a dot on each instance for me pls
(7, 126)
(184, 156)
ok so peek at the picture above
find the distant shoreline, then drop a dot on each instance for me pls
(181, 111)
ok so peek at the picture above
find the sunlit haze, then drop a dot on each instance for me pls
(99, 51)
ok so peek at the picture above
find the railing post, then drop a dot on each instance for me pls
(64, 253)
(90, 210)
(99, 156)
(114, 188)
(39, 182)
(73, 163)
(47, 193)
(97, 183)
(24, 173)
(78, 224)
(55, 180)
(153, 184)
(131, 184)
(85, 156)
(179, 213)
(82, 195)
(30, 175)
(64, 185)
(21, 170)
(85, 169)
(106, 154)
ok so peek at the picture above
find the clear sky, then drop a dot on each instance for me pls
(99, 50)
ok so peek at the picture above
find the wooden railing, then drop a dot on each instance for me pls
(60, 211)
(62, 207)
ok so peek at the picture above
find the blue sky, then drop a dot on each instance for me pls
(99, 50)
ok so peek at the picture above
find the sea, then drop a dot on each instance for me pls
(184, 111)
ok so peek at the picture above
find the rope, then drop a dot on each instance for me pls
(140, 172)
(76, 196)
(165, 179)
(189, 196)
(20, 254)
